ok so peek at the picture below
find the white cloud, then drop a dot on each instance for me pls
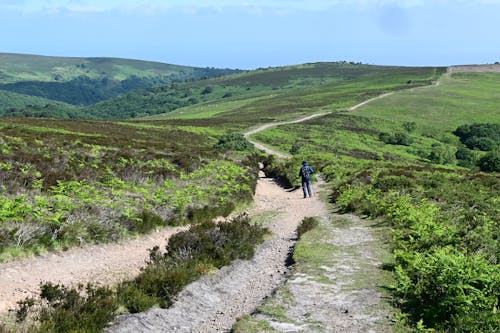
(33, 6)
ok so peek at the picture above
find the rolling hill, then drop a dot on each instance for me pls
(397, 161)
(267, 93)
(85, 81)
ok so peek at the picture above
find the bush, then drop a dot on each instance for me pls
(398, 138)
(234, 141)
(465, 157)
(490, 162)
(441, 154)
(479, 136)
(308, 223)
(63, 309)
(134, 299)
(410, 126)
(445, 285)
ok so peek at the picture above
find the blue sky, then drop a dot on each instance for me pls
(252, 34)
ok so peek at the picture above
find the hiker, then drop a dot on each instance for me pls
(305, 173)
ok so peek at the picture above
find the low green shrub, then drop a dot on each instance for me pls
(490, 162)
(308, 223)
(234, 141)
(445, 287)
(479, 136)
(445, 240)
(63, 309)
(399, 138)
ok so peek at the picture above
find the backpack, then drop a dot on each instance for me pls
(304, 173)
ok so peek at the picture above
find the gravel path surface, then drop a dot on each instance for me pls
(339, 291)
(215, 302)
(102, 264)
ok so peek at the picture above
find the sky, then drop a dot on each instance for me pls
(257, 34)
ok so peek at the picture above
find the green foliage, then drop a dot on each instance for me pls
(65, 183)
(283, 171)
(490, 162)
(399, 138)
(410, 126)
(64, 309)
(194, 252)
(234, 141)
(479, 136)
(308, 223)
(444, 285)
(441, 154)
(444, 240)
(84, 81)
(465, 157)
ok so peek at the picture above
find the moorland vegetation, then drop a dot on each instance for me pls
(407, 160)
(444, 213)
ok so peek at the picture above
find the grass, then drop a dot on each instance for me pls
(286, 92)
(249, 324)
(21, 67)
(460, 99)
(313, 252)
(442, 207)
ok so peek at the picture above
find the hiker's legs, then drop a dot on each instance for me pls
(309, 189)
(306, 188)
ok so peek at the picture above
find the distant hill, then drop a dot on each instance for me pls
(283, 84)
(85, 81)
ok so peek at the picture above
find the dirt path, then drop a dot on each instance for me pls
(354, 107)
(215, 302)
(102, 264)
(269, 150)
(108, 264)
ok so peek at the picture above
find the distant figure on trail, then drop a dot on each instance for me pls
(305, 173)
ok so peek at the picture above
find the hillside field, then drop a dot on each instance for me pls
(397, 160)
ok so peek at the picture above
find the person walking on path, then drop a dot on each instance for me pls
(305, 174)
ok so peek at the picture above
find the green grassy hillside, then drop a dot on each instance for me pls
(67, 181)
(83, 81)
(397, 160)
(284, 92)
(459, 99)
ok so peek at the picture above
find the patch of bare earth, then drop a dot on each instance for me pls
(101, 264)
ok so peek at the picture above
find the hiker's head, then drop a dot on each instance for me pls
(304, 162)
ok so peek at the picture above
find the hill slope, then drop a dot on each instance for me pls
(84, 81)
(271, 92)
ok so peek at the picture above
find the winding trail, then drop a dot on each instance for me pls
(211, 304)
(215, 302)
(260, 128)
